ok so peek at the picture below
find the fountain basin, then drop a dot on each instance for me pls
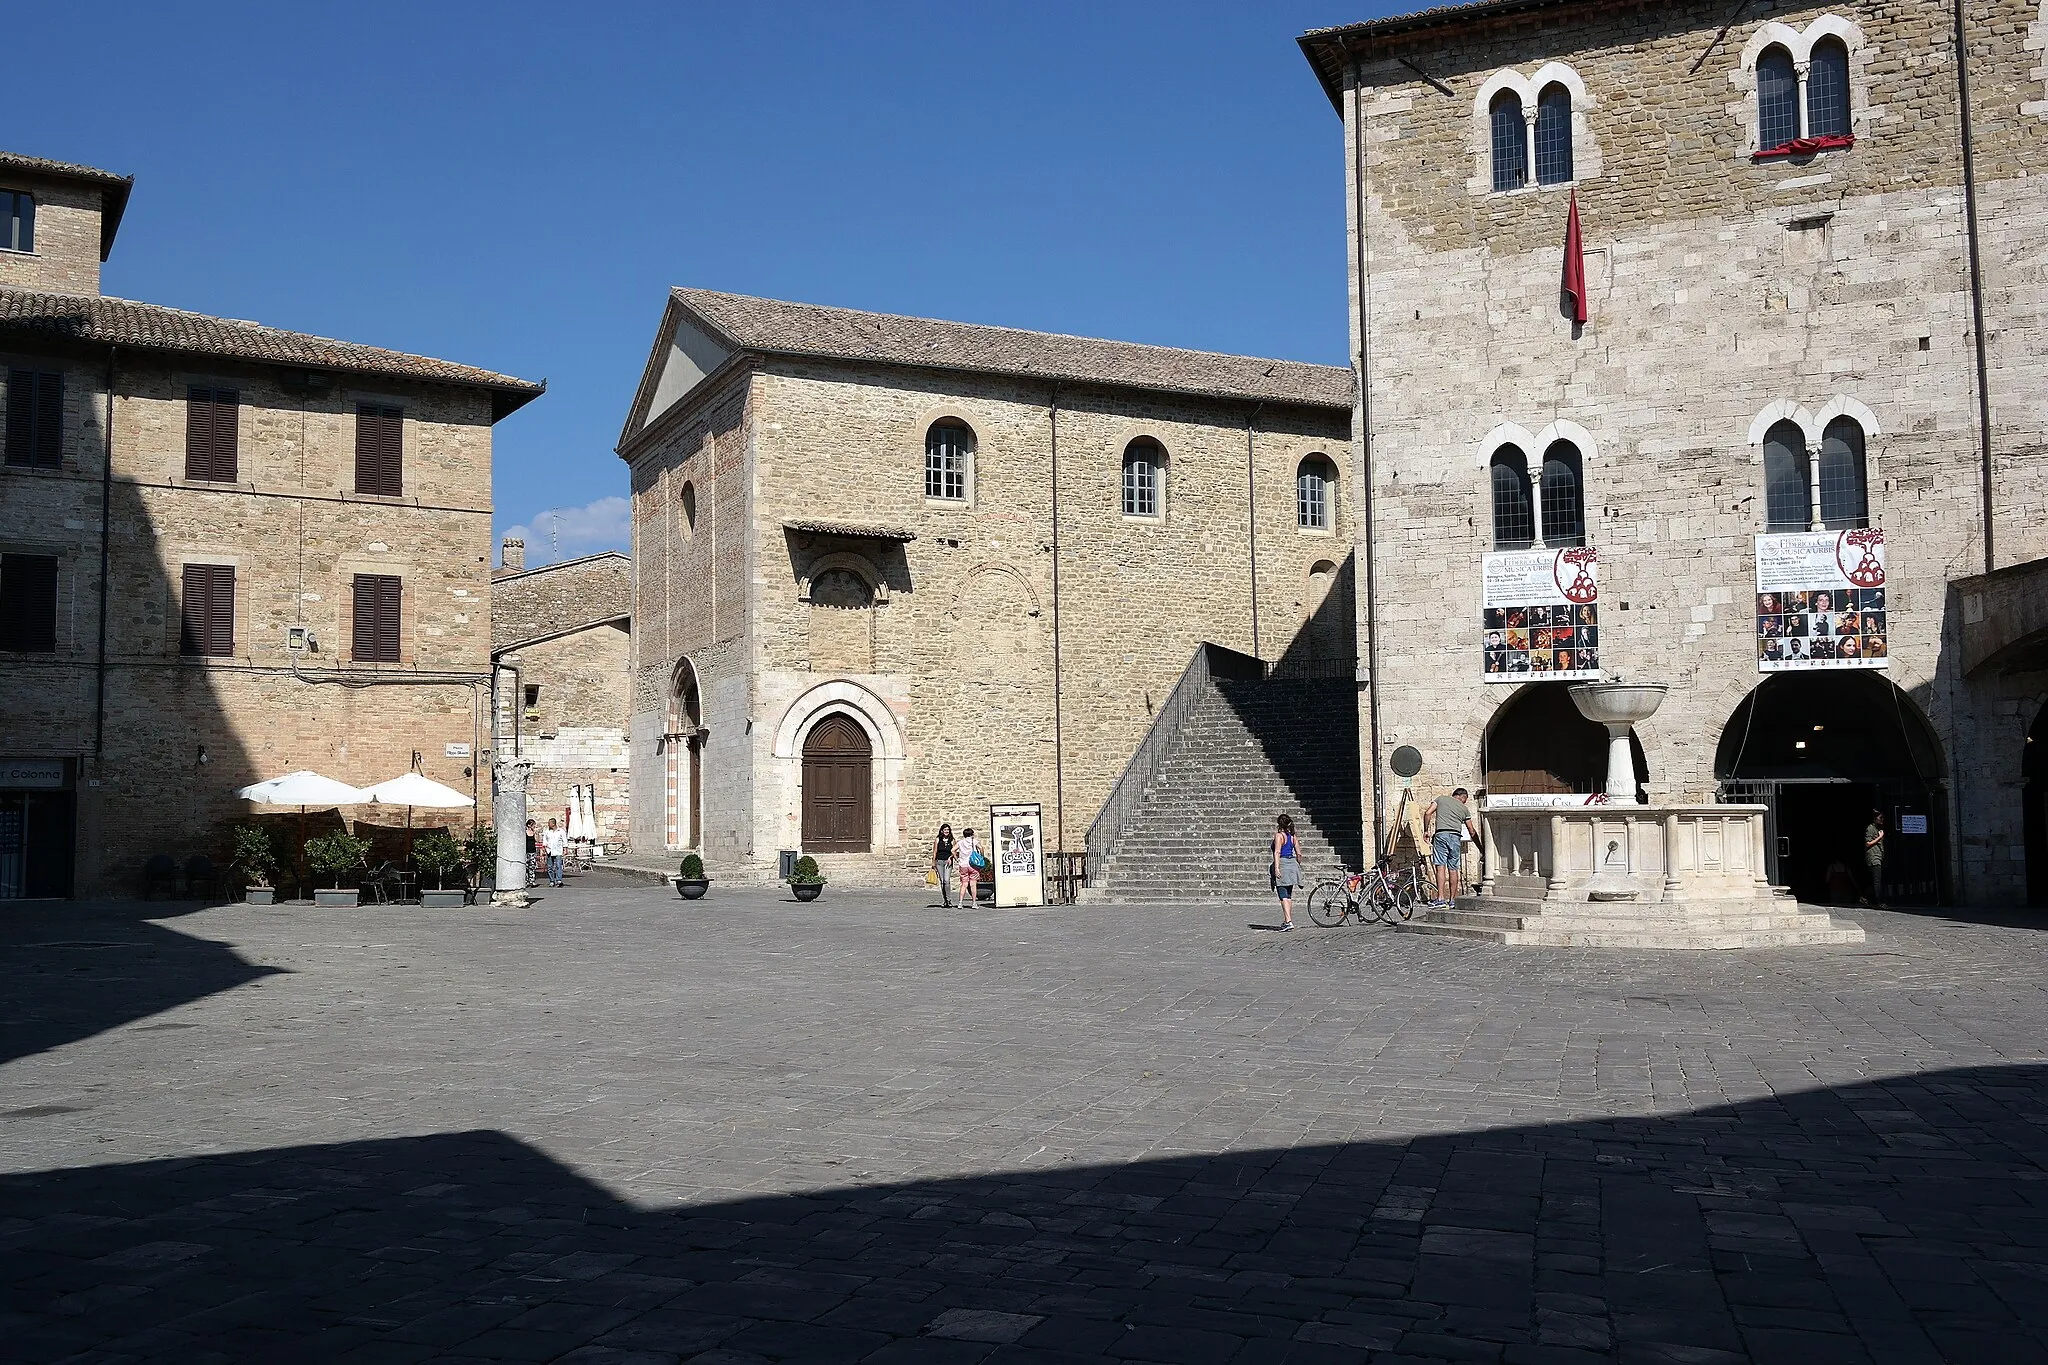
(1619, 703)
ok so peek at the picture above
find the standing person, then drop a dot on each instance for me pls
(1873, 855)
(965, 850)
(534, 866)
(556, 843)
(1451, 819)
(1286, 867)
(942, 864)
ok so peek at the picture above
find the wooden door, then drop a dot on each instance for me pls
(837, 764)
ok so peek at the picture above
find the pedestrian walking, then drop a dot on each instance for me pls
(556, 843)
(1451, 820)
(1286, 867)
(534, 866)
(942, 865)
(969, 861)
(1873, 855)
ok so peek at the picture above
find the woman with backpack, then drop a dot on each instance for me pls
(1286, 867)
(970, 862)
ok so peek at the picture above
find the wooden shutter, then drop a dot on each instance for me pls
(28, 603)
(35, 419)
(378, 597)
(207, 624)
(380, 447)
(211, 450)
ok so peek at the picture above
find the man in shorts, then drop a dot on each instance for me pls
(1450, 818)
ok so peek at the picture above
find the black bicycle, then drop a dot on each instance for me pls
(1380, 896)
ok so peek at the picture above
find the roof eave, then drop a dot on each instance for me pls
(1338, 41)
(113, 204)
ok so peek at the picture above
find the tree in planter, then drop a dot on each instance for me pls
(693, 868)
(437, 854)
(337, 854)
(256, 856)
(806, 872)
(480, 854)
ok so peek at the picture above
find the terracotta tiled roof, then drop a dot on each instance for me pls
(850, 530)
(1324, 47)
(804, 329)
(151, 327)
(113, 203)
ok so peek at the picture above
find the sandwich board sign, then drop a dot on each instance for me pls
(1017, 850)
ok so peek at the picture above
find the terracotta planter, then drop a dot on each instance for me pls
(806, 891)
(439, 899)
(260, 895)
(338, 895)
(692, 888)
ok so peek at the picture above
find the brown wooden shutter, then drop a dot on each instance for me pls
(211, 451)
(207, 617)
(380, 450)
(21, 417)
(378, 597)
(49, 420)
(35, 419)
(28, 603)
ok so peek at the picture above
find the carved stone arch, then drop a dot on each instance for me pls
(685, 698)
(1506, 434)
(1769, 34)
(1505, 79)
(958, 414)
(1844, 406)
(1784, 409)
(1561, 430)
(1799, 43)
(859, 566)
(868, 711)
(963, 596)
(1479, 140)
(841, 697)
(1560, 73)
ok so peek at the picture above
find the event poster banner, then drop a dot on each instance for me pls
(1820, 601)
(1019, 837)
(1540, 614)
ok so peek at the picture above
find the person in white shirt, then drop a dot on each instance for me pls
(556, 843)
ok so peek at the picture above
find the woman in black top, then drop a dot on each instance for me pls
(942, 863)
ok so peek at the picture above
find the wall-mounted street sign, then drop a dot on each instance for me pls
(457, 751)
(40, 773)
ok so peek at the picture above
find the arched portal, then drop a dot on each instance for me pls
(1539, 745)
(838, 777)
(2034, 809)
(1822, 750)
(684, 747)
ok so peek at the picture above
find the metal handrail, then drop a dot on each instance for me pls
(1209, 663)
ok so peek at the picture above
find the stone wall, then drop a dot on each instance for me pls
(575, 734)
(1718, 288)
(66, 259)
(554, 597)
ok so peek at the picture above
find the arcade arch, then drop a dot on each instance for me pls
(1538, 745)
(683, 747)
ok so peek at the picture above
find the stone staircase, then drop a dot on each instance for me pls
(1196, 810)
(1778, 923)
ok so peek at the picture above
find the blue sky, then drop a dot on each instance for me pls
(515, 185)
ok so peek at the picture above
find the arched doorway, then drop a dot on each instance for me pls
(1822, 750)
(2034, 809)
(838, 777)
(685, 746)
(1539, 745)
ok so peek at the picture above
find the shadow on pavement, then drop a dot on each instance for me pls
(69, 971)
(1902, 1220)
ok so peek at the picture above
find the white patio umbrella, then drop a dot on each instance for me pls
(415, 789)
(302, 789)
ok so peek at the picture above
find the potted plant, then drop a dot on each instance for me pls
(480, 856)
(436, 854)
(805, 881)
(691, 883)
(335, 856)
(255, 859)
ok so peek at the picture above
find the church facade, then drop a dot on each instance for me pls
(1743, 320)
(888, 570)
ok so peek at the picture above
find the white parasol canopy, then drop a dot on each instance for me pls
(415, 789)
(302, 788)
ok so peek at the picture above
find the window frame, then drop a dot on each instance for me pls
(1564, 455)
(1508, 102)
(386, 611)
(16, 225)
(1318, 466)
(1857, 457)
(23, 628)
(939, 473)
(1511, 462)
(212, 436)
(1786, 102)
(1151, 455)
(1774, 484)
(379, 466)
(35, 429)
(205, 630)
(1554, 105)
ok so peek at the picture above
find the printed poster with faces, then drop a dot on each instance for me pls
(1820, 601)
(1540, 614)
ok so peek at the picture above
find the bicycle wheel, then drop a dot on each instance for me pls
(1376, 901)
(1328, 905)
(1406, 897)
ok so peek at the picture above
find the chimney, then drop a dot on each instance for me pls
(514, 557)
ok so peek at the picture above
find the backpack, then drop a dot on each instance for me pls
(978, 860)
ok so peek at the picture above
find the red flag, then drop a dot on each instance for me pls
(1574, 267)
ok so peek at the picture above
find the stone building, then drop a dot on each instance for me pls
(226, 552)
(1813, 309)
(891, 570)
(565, 633)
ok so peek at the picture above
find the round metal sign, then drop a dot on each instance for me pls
(1407, 761)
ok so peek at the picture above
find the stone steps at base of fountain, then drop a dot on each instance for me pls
(1652, 926)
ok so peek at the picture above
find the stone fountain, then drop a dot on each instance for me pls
(1609, 871)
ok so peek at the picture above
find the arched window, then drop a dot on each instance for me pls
(1844, 495)
(1554, 136)
(1564, 496)
(689, 503)
(1510, 142)
(948, 461)
(1787, 479)
(1144, 478)
(1777, 99)
(1827, 89)
(1312, 488)
(1514, 520)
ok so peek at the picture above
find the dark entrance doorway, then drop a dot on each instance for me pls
(36, 829)
(837, 766)
(2034, 809)
(1822, 750)
(1539, 745)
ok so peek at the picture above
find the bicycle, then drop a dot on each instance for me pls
(1382, 896)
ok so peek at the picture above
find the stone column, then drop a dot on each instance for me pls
(508, 813)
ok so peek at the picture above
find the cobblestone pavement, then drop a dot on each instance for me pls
(619, 1127)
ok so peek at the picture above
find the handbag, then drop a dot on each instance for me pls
(931, 876)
